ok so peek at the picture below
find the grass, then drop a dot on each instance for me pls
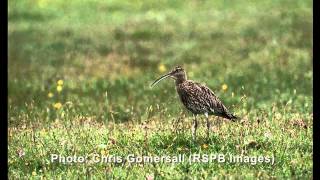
(108, 52)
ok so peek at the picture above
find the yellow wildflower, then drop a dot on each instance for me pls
(60, 82)
(224, 87)
(57, 105)
(50, 94)
(103, 152)
(205, 146)
(59, 88)
(162, 68)
(34, 173)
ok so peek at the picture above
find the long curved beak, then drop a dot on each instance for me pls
(160, 79)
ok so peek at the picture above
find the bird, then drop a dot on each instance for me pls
(197, 98)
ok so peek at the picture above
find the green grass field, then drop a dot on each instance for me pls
(79, 76)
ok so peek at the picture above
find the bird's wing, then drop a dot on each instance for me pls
(201, 99)
(192, 97)
(198, 98)
(214, 103)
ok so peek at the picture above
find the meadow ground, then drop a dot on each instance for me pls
(79, 76)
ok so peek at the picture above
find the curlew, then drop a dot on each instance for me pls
(197, 98)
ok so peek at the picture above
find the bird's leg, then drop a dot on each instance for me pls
(194, 127)
(208, 124)
(219, 123)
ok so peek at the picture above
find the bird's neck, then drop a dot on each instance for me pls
(180, 80)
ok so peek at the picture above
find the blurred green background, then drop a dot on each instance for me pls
(255, 55)
(118, 46)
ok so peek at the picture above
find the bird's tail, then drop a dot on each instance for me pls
(231, 117)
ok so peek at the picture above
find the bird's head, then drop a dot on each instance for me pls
(178, 74)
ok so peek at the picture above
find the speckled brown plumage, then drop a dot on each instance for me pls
(197, 98)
